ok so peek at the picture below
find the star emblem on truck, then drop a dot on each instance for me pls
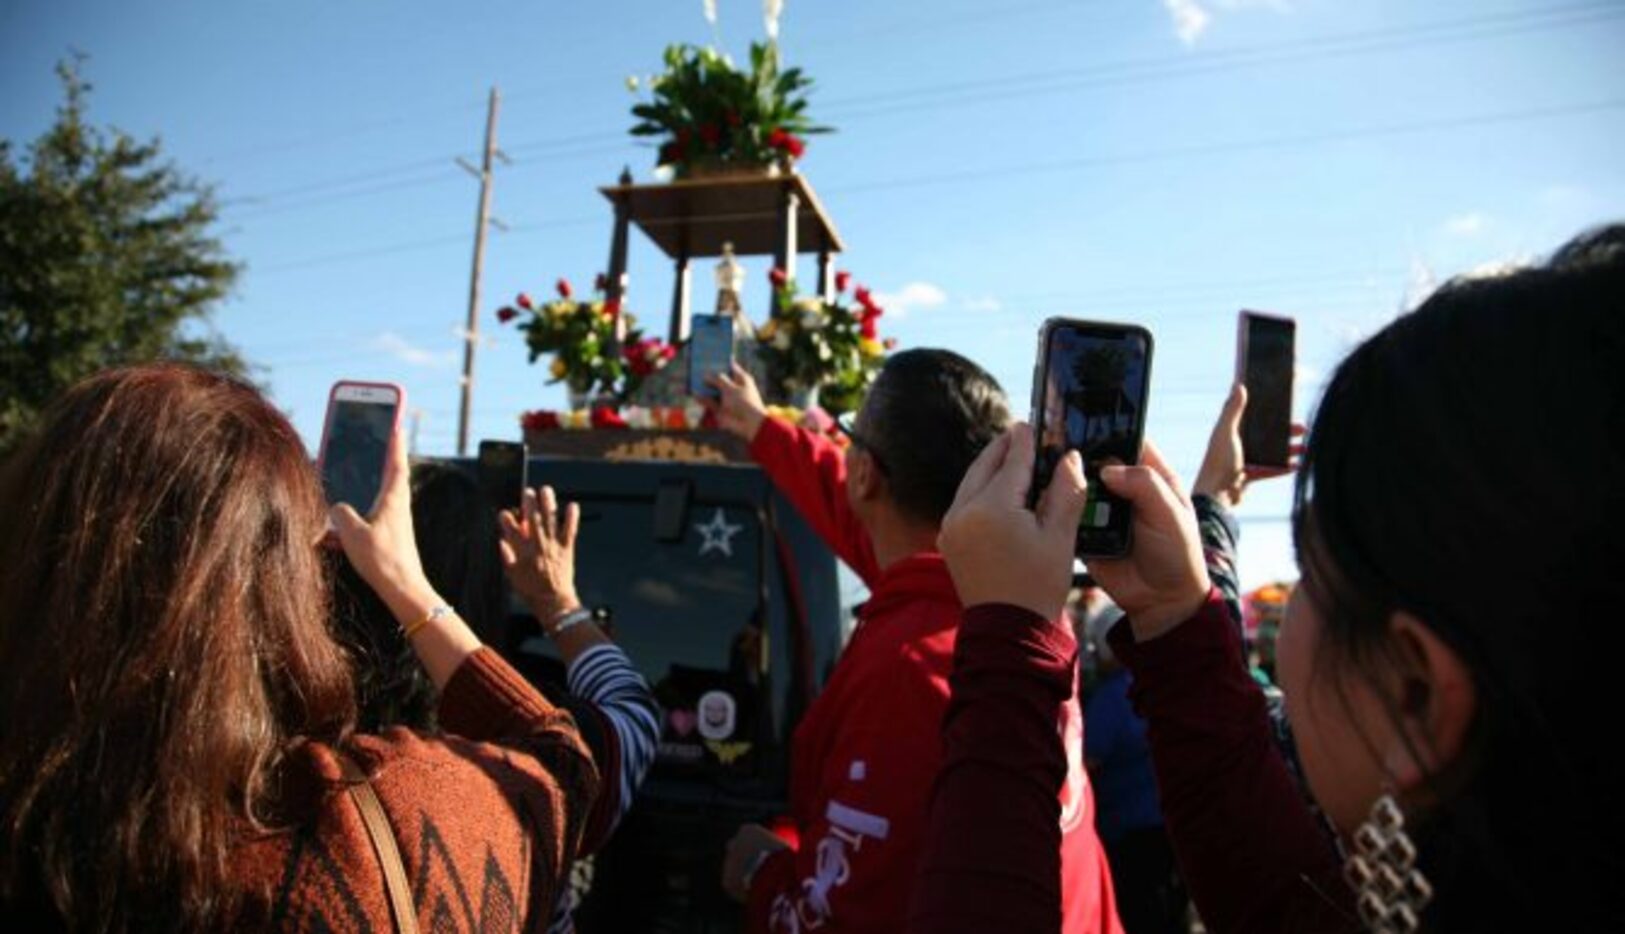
(719, 534)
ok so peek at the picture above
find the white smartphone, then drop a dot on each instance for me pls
(361, 419)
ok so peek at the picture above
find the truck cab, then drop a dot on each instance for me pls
(730, 606)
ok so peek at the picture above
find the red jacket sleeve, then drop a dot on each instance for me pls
(992, 859)
(859, 854)
(811, 472)
(1252, 854)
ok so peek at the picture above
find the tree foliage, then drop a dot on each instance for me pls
(106, 258)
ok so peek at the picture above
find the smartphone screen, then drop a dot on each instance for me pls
(1264, 364)
(503, 473)
(710, 351)
(361, 417)
(1090, 396)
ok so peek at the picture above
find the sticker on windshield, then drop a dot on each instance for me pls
(719, 535)
(718, 713)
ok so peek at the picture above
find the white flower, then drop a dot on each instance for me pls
(812, 320)
(632, 83)
(823, 351)
(781, 340)
(770, 17)
(710, 7)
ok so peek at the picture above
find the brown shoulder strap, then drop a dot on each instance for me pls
(383, 844)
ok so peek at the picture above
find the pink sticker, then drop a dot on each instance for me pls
(682, 721)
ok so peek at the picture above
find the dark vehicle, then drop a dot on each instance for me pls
(729, 605)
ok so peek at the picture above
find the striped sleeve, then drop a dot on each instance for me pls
(604, 677)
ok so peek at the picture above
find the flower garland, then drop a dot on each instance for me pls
(829, 346)
(691, 417)
(582, 337)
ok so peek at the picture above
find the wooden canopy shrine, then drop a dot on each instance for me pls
(693, 218)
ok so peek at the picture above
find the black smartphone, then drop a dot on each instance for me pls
(710, 351)
(361, 419)
(1265, 360)
(503, 473)
(1090, 390)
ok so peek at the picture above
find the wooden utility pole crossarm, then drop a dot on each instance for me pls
(471, 333)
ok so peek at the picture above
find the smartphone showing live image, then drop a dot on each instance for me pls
(503, 473)
(361, 419)
(1265, 362)
(1089, 395)
(710, 352)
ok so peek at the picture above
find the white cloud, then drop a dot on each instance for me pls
(1470, 224)
(919, 295)
(1193, 17)
(1190, 20)
(983, 303)
(403, 350)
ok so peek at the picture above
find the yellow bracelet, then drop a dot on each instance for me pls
(433, 614)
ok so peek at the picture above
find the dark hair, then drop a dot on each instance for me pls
(929, 414)
(1467, 465)
(456, 534)
(163, 642)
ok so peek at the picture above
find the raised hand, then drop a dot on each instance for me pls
(741, 409)
(1163, 580)
(538, 553)
(1225, 474)
(997, 549)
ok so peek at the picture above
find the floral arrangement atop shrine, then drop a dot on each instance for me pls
(831, 347)
(582, 335)
(710, 116)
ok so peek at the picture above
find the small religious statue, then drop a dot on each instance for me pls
(730, 282)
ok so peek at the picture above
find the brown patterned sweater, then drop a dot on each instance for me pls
(487, 818)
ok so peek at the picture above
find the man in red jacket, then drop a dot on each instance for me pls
(865, 754)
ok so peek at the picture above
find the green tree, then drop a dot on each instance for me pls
(106, 258)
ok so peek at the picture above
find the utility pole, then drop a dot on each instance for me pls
(483, 220)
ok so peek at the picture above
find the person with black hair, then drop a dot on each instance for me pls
(1452, 729)
(866, 750)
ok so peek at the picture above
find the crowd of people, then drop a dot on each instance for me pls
(235, 708)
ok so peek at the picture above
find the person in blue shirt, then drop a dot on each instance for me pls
(1151, 899)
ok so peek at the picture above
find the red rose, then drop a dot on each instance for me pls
(506, 314)
(868, 329)
(539, 420)
(863, 296)
(523, 301)
(795, 146)
(612, 308)
(778, 138)
(563, 285)
(668, 353)
(606, 417)
(778, 277)
(601, 283)
(842, 280)
(670, 154)
(710, 133)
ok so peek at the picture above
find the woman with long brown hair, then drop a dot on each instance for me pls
(178, 736)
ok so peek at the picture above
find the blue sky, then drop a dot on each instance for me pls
(998, 161)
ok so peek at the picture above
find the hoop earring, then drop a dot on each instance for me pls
(1391, 893)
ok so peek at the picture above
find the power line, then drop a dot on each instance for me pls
(1066, 165)
(1110, 74)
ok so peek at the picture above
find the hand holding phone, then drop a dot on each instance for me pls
(1090, 391)
(362, 418)
(710, 353)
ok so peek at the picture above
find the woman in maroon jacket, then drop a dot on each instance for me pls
(1457, 526)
